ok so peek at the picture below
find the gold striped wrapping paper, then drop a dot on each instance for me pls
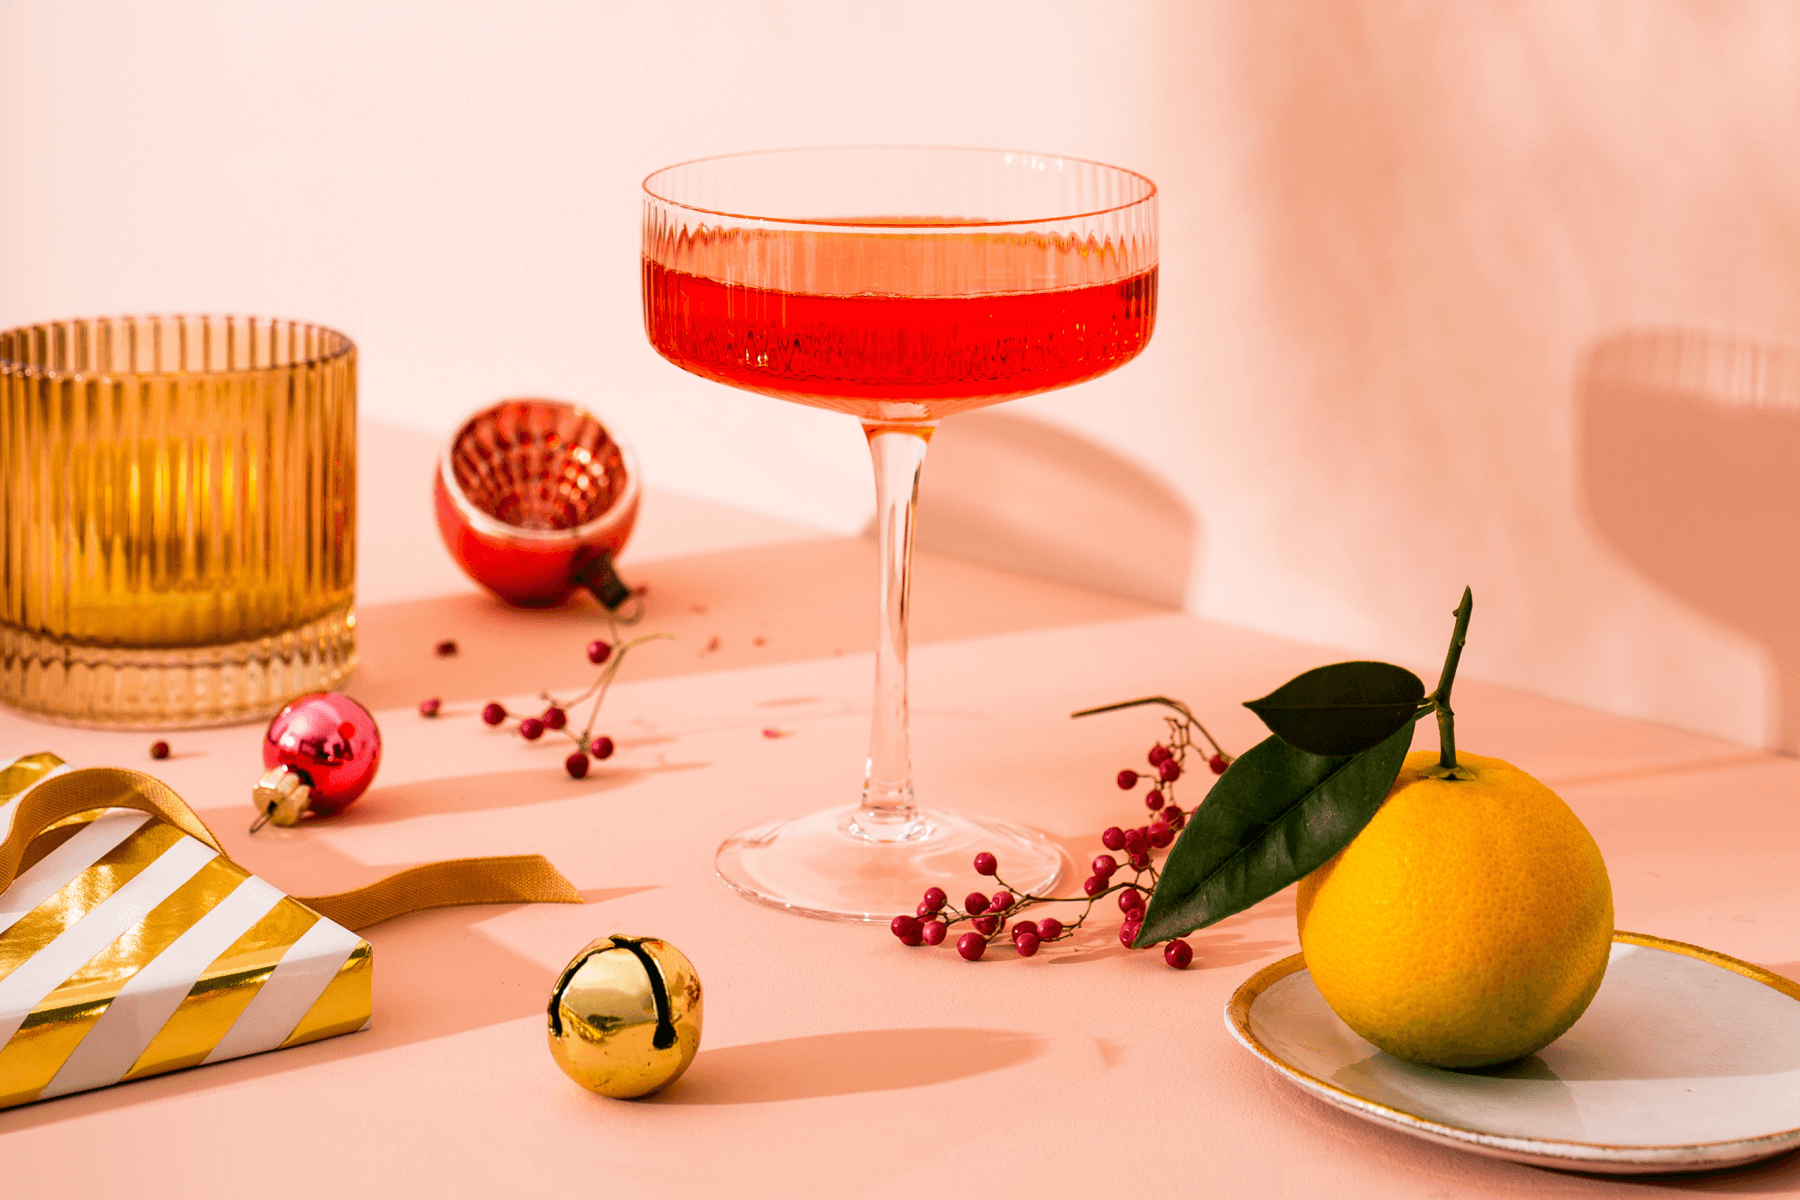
(129, 947)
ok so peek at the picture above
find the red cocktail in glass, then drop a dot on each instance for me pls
(899, 285)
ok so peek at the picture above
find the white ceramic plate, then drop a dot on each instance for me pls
(1687, 1060)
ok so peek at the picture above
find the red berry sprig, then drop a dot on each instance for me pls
(609, 656)
(994, 916)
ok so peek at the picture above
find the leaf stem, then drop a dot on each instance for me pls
(1446, 717)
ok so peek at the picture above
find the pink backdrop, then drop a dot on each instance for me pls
(1437, 279)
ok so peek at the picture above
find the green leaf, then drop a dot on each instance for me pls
(1274, 817)
(1344, 708)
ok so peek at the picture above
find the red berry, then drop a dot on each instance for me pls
(1218, 764)
(601, 747)
(531, 729)
(576, 765)
(1159, 754)
(1153, 800)
(971, 946)
(935, 898)
(1136, 842)
(908, 929)
(445, 649)
(1161, 835)
(1128, 934)
(429, 708)
(986, 926)
(1000, 901)
(1105, 865)
(1093, 885)
(1130, 900)
(1020, 927)
(554, 718)
(159, 749)
(1049, 929)
(1170, 771)
(986, 864)
(975, 903)
(1138, 861)
(1178, 954)
(1026, 944)
(1127, 780)
(598, 651)
(493, 713)
(934, 932)
(1173, 815)
(1113, 838)
(924, 910)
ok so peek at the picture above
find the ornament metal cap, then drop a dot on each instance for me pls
(281, 797)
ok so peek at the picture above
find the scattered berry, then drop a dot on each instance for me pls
(1170, 771)
(971, 946)
(1178, 954)
(1218, 764)
(554, 718)
(1049, 929)
(975, 903)
(935, 898)
(1153, 800)
(1113, 838)
(934, 932)
(1127, 780)
(531, 729)
(429, 708)
(576, 765)
(599, 651)
(493, 713)
(986, 864)
(601, 748)
(159, 749)
(446, 648)
(1026, 944)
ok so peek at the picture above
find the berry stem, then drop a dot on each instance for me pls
(1446, 717)
(1177, 705)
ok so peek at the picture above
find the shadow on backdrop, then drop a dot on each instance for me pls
(1007, 491)
(1689, 455)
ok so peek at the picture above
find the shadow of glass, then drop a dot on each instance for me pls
(1688, 442)
(1007, 491)
(844, 1064)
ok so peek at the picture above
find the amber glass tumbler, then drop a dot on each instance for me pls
(177, 517)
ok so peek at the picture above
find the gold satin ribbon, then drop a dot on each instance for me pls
(511, 879)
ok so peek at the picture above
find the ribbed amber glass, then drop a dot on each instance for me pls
(177, 517)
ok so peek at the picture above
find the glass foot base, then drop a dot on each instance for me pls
(820, 866)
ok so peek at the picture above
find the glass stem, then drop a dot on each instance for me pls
(898, 451)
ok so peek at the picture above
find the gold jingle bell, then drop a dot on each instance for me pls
(625, 1016)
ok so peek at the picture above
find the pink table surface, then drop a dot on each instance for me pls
(835, 1062)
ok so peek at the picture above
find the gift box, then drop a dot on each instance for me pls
(129, 947)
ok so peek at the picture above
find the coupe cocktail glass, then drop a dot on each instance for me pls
(899, 285)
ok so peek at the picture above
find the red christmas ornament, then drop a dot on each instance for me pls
(534, 499)
(320, 753)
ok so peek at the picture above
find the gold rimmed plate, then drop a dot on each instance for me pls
(1687, 1060)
